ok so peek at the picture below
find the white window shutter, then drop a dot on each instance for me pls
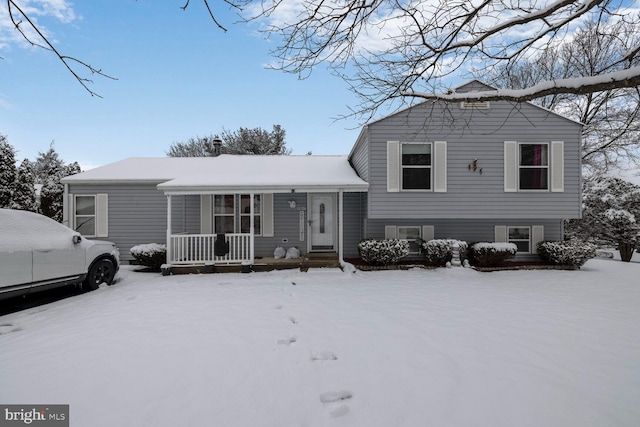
(537, 236)
(557, 166)
(500, 233)
(440, 166)
(71, 211)
(267, 215)
(206, 219)
(393, 166)
(510, 166)
(427, 232)
(390, 232)
(102, 215)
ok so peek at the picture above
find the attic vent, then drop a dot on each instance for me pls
(480, 105)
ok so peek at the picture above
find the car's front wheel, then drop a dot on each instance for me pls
(101, 272)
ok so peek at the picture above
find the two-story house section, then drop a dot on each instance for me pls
(482, 171)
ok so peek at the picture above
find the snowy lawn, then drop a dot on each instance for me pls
(446, 347)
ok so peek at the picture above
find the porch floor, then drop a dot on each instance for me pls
(322, 260)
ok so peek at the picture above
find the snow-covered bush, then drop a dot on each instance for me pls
(611, 215)
(151, 255)
(573, 253)
(383, 252)
(440, 251)
(492, 254)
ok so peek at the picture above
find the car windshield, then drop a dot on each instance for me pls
(22, 230)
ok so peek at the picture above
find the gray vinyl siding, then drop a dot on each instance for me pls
(359, 157)
(137, 214)
(355, 205)
(474, 134)
(286, 225)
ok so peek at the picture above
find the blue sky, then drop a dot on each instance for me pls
(179, 76)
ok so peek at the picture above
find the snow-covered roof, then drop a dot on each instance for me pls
(230, 172)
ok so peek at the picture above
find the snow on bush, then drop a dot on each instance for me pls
(492, 254)
(152, 255)
(572, 253)
(383, 252)
(440, 251)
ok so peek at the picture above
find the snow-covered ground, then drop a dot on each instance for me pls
(445, 347)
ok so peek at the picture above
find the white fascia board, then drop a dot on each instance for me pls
(174, 191)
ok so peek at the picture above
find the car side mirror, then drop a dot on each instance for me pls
(77, 239)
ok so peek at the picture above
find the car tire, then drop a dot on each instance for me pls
(100, 272)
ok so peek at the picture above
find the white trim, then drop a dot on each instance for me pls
(475, 105)
(71, 211)
(519, 167)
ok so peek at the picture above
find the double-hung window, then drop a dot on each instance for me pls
(85, 215)
(416, 166)
(411, 234)
(224, 213)
(245, 214)
(521, 237)
(534, 166)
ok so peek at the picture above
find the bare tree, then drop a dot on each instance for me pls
(405, 49)
(35, 36)
(241, 141)
(395, 49)
(611, 135)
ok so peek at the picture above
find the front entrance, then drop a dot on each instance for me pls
(322, 223)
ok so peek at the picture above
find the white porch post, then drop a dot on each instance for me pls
(340, 225)
(169, 254)
(251, 228)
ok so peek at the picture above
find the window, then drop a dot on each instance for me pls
(85, 215)
(224, 213)
(521, 237)
(416, 166)
(410, 234)
(534, 167)
(245, 214)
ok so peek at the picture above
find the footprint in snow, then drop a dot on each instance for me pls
(287, 341)
(6, 328)
(332, 401)
(323, 355)
(293, 320)
(278, 307)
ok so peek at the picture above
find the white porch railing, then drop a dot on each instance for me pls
(198, 249)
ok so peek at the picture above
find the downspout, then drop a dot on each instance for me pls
(65, 206)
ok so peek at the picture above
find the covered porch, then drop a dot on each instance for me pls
(287, 201)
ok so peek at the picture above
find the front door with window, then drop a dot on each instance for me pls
(322, 222)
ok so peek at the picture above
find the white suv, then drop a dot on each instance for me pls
(37, 253)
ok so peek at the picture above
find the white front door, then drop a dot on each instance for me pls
(322, 222)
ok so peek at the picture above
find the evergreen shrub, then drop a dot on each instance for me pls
(383, 252)
(572, 253)
(151, 255)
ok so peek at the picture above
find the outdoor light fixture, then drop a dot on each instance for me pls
(292, 204)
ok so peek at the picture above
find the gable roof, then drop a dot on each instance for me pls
(230, 173)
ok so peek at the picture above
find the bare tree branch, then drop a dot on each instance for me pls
(68, 61)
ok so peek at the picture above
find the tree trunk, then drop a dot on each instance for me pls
(626, 251)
